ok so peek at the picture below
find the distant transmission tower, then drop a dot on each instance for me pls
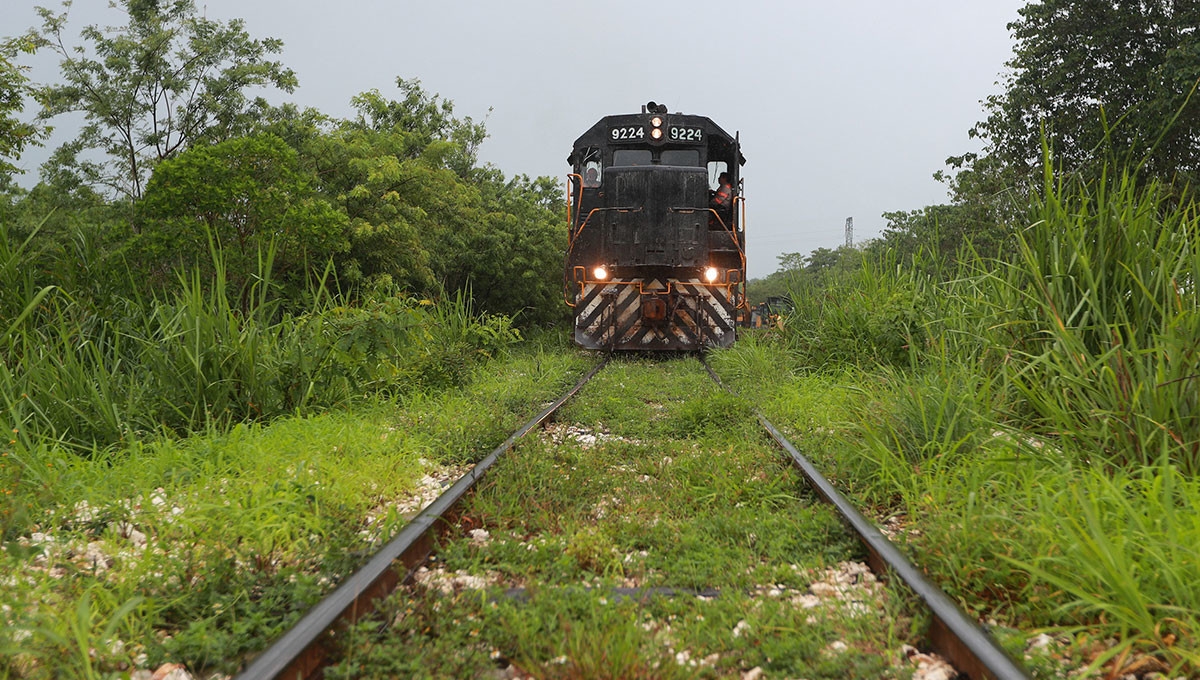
(849, 231)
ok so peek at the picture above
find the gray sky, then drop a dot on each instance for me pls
(844, 108)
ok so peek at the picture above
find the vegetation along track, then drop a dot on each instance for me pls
(651, 531)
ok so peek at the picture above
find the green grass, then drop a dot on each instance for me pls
(679, 490)
(205, 356)
(1039, 447)
(1008, 523)
(243, 529)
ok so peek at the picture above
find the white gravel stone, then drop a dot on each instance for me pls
(1040, 642)
(835, 648)
(443, 581)
(929, 666)
(95, 557)
(84, 512)
(171, 671)
(127, 530)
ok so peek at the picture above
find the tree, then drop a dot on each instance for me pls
(15, 134)
(822, 259)
(152, 88)
(388, 198)
(1100, 77)
(512, 262)
(425, 217)
(427, 120)
(790, 261)
(249, 194)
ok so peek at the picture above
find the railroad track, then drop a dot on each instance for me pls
(591, 570)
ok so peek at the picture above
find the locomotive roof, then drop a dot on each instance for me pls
(599, 134)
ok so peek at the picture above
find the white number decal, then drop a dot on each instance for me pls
(687, 134)
(632, 132)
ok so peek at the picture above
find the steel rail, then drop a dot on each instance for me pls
(952, 633)
(303, 650)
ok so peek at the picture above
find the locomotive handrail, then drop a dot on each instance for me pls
(737, 201)
(571, 194)
(732, 232)
(576, 232)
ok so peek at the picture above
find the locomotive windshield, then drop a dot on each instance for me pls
(633, 157)
(684, 157)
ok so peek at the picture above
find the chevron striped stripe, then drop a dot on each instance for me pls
(609, 316)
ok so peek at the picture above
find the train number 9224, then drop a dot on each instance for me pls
(656, 254)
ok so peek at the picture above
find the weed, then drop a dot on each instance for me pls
(652, 484)
(224, 540)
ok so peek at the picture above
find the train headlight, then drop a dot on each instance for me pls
(711, 274)
(656, 122)
(656, 134)
(600, 273)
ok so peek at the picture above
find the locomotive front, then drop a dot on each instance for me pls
(656, 258)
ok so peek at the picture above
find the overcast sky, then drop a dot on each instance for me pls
(845, 109)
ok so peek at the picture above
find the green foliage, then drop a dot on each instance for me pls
(149, 90)
(720, 414)
(1043, 439)
(1100, 83)
(427, 120)
(20, 293)
(211, 354)
(15, 135)
(570, 521)
(511, 256)
(391, 200)
(1101, 318)
(250, 195)
(424, 218)
(1129, 558)
(1016, 527)
(1094, 75)
(874, 314)
(938, 236)
(244, 529)
(935, 414)
(803, 271)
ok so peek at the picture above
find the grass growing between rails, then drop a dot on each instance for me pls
(1036, 448)
(651, 478)
(203, 550)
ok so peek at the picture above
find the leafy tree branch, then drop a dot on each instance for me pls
(163, 82)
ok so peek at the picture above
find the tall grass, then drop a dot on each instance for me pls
(1128, 556)
(1042, 427)
(205, 355)
(1100, 314)
(872, 315)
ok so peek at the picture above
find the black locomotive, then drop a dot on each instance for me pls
(656, 258)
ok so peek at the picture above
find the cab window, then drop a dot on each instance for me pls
(632, 157)
(684, 157)
(591, 174)
(715, 168)
(589, 166)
